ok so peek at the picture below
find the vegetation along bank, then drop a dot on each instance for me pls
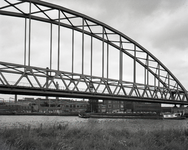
(90, 137)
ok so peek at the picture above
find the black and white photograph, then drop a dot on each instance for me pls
(93, 74)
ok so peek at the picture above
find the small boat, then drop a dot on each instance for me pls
(173, 116)
(84, 115)
(125, 116)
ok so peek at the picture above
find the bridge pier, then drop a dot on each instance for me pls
(181, 106)
(57, 98)
(15, 98)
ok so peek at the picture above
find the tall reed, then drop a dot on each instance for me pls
(91, 136)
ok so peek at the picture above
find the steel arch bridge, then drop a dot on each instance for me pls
(86, 58)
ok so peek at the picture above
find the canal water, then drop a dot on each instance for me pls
(129, 124)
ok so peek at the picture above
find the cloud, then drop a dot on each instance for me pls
(171, 32)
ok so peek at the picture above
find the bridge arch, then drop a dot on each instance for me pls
(163, 85)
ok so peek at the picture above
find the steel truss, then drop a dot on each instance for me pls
(166, 88)
(48, 82)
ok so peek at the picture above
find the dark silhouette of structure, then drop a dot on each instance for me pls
(100, 59)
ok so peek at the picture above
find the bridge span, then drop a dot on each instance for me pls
(68, 54)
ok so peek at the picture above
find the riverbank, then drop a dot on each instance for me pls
(91, 136)
(39, 114)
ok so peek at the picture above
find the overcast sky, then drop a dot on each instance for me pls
(161, 26)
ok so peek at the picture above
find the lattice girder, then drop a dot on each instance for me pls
(45, 79)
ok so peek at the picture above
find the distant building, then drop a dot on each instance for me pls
(47, 106)
(110, 106)
(94, 105)
(166, 109)
(146, 107)
(107, 106)
(74, 106)
(59, 106)
(15, 108)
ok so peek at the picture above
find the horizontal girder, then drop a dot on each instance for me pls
(59, 93)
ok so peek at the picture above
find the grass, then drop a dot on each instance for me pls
(91, 136)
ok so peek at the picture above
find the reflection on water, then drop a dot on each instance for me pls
(130, 124)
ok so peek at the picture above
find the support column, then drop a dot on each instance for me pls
(57, 87)
(58, 55)
(72, 51)
(107, 62)
(47, 79)
(146, 72)
(15, 98)
(49, 103)
(103, 52)
(91, 63)
(29, 44)
(120, 61)
(51, 46)
(82, 46)
(134, 69)
(25, 42)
